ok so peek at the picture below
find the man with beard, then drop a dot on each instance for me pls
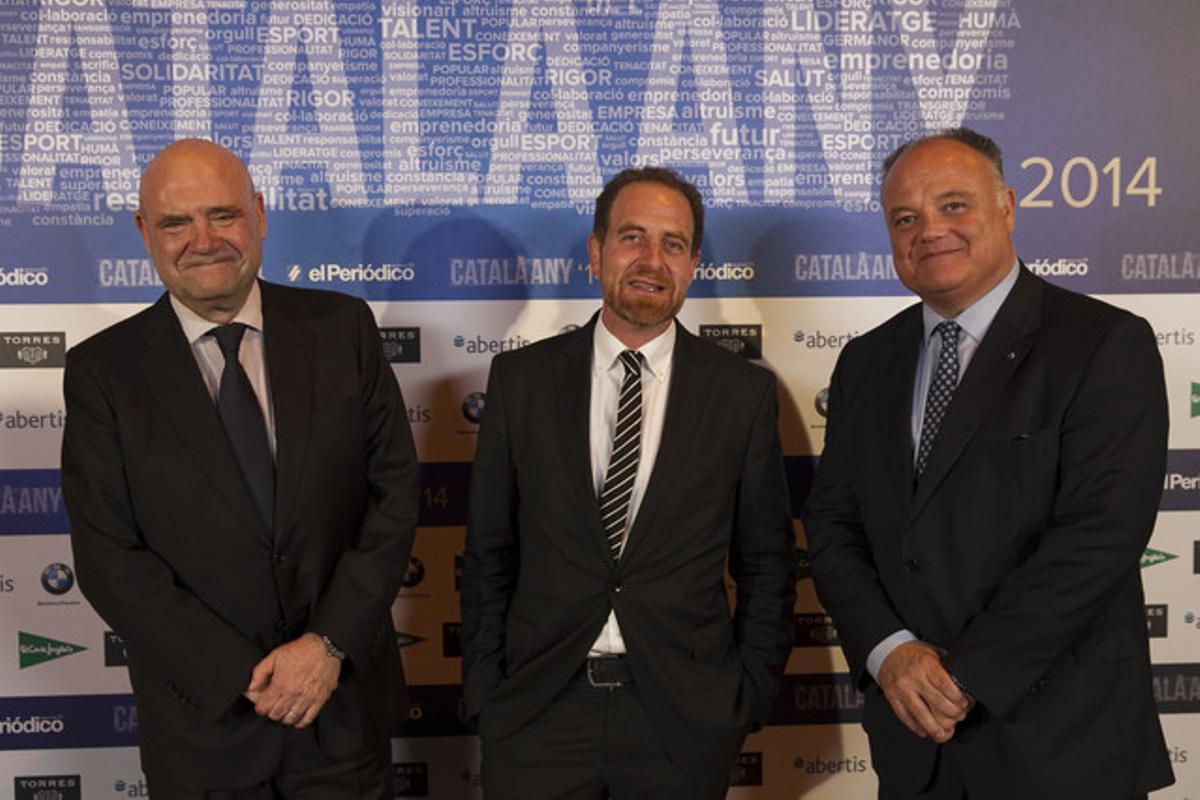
(618, 467)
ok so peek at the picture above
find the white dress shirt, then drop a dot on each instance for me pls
(607, 375)
(251, 355)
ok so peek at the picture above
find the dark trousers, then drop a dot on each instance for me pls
(305, 773)
(591, 744)
(946, 784)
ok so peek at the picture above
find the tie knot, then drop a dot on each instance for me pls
(229, 337)
(632, 361)
(948, 330)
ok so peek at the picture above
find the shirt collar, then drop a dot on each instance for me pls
(656, 353)
(977, 318)
(195, 326)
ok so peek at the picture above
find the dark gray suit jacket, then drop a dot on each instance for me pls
(538, 578)
(1018, 549)
(171, 553)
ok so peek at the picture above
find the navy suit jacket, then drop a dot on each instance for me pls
(1017, 550)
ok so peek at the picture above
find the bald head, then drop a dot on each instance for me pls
(203, 225)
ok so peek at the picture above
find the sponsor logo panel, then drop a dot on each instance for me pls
(745, 340)
(131, 787)
(1177, 688)
(1156, 620)
(820, 765)
(478, 344)
(444, 490)
(126, 273)
(333, 272)
(748, 770)
(68, 721)
(12, 277)
(31, 502)
(412, 779)
(34, 649)
(452, 639)
(115, 653)
(1175, 267)
(1077, 267)
(18, 420)
(1151, 557)
(822, 340)
(401, 345)
(23, 349)
(817, 699)
(815, 630)
(1195, 398)
(47, 787)
(473, 407)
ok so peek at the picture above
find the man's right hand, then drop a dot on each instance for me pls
(922, 694)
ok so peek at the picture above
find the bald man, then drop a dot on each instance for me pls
(241, 484)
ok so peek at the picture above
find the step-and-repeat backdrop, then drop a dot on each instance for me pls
(440, 158)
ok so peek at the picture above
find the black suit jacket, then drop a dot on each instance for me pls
(171, 553)
(1018, 549)
(538, 579)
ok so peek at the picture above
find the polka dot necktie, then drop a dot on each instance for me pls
(941, 389)
(626, 452)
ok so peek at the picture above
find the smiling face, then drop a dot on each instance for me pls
(950, 219)
(203, 226)
(645, 262)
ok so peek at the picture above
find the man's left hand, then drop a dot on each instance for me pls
(291, 684)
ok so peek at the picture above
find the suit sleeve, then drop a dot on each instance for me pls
(128, 584)
(367, 577)
(762, 560)
(490, 559)
(844, 570)
(1112, 456)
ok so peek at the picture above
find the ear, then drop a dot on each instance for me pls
(593, 248)
(1009, 200)
(260, 209)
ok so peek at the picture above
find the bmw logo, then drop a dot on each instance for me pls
(821, 402)
(58, 578)
(415, 573)
(472, 407)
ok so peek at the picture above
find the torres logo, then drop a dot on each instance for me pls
(743, 340)
(47, 787)
(401, 345)
(33, 649)
(41, 349)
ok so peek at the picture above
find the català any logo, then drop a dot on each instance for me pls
(1152, 557)
(33, 649)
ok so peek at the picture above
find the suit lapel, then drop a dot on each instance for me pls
(1004, 347)
(686, 403)
(573, 390)
(169, 369)
(289, 349)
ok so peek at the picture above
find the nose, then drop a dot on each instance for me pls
(932, 228)
(656, 254)
(203, 240)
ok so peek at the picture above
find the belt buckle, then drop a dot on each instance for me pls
(610, 685)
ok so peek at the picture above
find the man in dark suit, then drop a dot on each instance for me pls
(992, 468)
(618, 466)
(243, 522)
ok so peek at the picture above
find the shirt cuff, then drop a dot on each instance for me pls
(881, 651)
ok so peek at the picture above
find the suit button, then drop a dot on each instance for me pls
(912, 566)
(278, 558)
(618, 588)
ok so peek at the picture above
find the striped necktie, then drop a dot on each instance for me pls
(626, 452)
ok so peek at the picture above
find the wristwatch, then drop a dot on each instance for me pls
(331, 649)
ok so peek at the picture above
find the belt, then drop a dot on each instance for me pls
(608, 671)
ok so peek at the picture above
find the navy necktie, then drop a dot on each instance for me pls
(941, 389)
(241, 415)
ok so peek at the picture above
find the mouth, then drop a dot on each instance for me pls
(643, 285)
